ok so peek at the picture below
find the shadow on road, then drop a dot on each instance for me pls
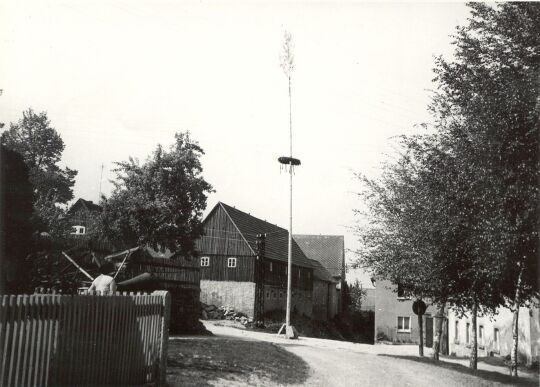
(491, 376)
(203, 361)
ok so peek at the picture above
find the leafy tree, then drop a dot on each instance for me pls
(41, 147)
(16, 228)
(160, 202)
(356, 294)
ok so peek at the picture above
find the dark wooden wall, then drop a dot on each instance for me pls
(222, 240)
(302, 278)
(218, 270)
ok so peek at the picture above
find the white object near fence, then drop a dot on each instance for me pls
(78, 340)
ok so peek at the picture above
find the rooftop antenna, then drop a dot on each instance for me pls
(100, 179)
(287, 65)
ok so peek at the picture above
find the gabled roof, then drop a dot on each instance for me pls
(329, 250)
(277, 238)
(320, 272)
(84, 204)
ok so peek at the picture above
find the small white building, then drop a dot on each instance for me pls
(494, 334)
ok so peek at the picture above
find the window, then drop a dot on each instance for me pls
(205, 261)
(467, 333)
(231, 262)
(481, 335)
(270, 266)
(403, 324)
(267, 295)
(280, 294)
(496, 339)
(456, 332)
(79, 230)
(401, 292)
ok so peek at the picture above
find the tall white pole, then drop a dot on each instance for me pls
(289, 270)
(287, 64)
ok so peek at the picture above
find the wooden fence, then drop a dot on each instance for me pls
(78, 340)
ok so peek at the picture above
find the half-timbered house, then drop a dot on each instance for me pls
(251, 277)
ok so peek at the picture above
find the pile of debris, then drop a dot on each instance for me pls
(212, 312)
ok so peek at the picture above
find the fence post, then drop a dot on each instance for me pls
(165, 320)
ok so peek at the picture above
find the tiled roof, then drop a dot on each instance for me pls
(88, 204)
(277, 238)
(329, 250)
(320, 272)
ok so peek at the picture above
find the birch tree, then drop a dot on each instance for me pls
(488, 109)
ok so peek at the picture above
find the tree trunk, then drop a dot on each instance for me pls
(2, 276)
(515, 328)
(473, 363)
(421, 334)
(438, 326)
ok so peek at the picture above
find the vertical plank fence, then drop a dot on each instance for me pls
(82, 340)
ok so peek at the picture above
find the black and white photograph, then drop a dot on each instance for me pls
(269, 193)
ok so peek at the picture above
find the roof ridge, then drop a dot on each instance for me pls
(253, 216)
(320, 235)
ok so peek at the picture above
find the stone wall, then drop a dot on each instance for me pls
(239, 296)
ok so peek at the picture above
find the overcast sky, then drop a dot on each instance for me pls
(118, 77)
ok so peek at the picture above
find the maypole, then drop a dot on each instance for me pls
(287, 65)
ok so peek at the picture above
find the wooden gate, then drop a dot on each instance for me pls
(429, 331)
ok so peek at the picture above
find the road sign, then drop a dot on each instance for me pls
(419, 307)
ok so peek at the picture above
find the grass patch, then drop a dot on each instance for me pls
(224, 361)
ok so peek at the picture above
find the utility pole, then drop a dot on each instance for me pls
(259, 281)
(287, 64)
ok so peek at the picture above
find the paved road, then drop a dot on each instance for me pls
(336, 363)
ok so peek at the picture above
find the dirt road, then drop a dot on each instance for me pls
(335, 363)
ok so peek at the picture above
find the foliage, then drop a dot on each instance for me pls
(16, 228)
(356, 295)
(41, 147)
(457, 211)
(287, 55)
(489, 113)
(160, 202)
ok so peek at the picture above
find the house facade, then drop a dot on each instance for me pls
(237, 272)
(494, 334)
(329, 251)
(396, 322)
(81, 214)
